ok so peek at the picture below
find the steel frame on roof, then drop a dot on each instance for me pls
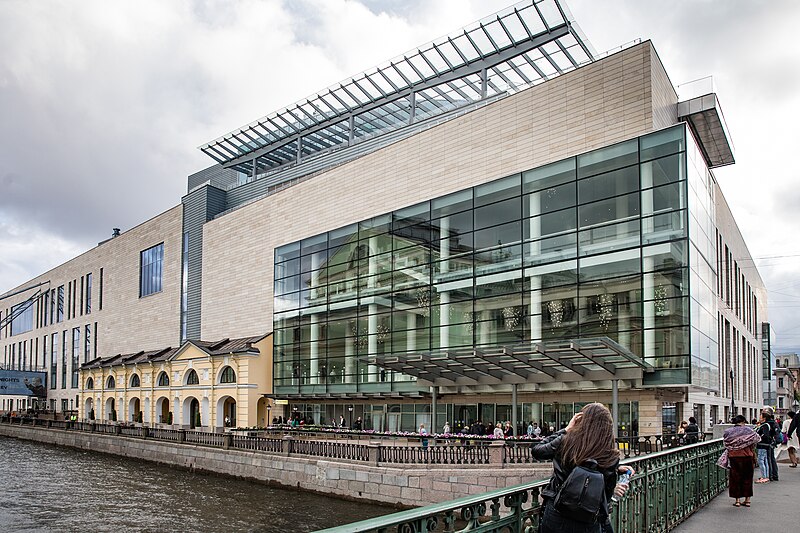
(513, 49)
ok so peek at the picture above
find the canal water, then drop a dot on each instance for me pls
(55, 489)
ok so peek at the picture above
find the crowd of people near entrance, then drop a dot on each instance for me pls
(758, 445)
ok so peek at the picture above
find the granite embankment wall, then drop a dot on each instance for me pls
(403, 485)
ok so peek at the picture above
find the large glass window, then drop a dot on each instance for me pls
(22, 318)
(76, 351)
(60, 315)
(54, 360)
(64, 344)
(591, 246)
(89, 293)
(87, 344)
(151, 261)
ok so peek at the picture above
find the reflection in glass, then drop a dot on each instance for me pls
(513, 261)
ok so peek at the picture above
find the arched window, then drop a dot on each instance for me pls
(191, 378)
(90, 383)
(135, 382)
(163, 380)
(111, 384)
(228, 375)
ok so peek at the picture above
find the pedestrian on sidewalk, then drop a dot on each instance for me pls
(764, 447)
(740, 457)
(769, 414)
(792, 444)
(423, 433)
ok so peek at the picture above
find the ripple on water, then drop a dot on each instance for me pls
(50, 488)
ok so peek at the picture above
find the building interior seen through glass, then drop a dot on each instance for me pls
(409, 416)
(591, 246)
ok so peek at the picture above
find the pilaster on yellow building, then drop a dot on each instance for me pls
(199, 385)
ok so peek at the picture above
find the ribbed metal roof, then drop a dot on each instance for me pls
(221, 347)
(523, 45)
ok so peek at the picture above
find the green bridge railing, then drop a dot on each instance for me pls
(668, 487)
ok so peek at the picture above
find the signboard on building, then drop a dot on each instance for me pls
(19, 383)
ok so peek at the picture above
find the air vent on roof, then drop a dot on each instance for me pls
(220, 344)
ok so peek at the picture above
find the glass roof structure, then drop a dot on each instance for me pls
(579, 360)
(523, 45)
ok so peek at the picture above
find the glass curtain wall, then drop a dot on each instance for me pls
(702, 270)
(591, 246)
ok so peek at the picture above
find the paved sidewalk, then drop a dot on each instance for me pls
(773, 508)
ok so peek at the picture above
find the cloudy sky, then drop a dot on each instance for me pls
(103, 104)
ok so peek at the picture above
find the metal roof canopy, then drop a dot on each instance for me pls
(523, 45)
(590, 359)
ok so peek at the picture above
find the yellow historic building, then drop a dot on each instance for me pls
(203, 385)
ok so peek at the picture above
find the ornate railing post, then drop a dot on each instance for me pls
(375, 450)
(145, 432)
(227, 440)
(287, 445)
(496, 450)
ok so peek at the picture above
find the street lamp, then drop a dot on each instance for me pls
(350, 409)
(733, 403)
(269, 418)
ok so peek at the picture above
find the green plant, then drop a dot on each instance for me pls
(197, 421)
(113, 415)
(91, 414)
(139, 417)
(169, 418)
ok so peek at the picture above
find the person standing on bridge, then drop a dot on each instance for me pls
(764, 448)
(588, 441)
(740, 457)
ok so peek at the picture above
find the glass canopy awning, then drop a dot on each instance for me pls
(523, 45)
(591, 359)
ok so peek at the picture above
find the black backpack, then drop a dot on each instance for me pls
(582, 495)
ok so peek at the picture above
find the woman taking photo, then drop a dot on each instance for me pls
(740, 457)
(588, 441)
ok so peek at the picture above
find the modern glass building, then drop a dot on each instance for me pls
(501, 224)
(548, 268)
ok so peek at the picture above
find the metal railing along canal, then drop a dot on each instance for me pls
(668, 487)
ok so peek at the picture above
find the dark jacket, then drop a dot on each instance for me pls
(691, 433)
(766, 433)
(548, 448)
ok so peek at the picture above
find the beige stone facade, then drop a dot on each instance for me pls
(119, 320)
(599, 104)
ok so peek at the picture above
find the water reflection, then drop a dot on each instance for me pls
(49, 488)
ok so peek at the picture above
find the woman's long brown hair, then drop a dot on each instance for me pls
(592, 437)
